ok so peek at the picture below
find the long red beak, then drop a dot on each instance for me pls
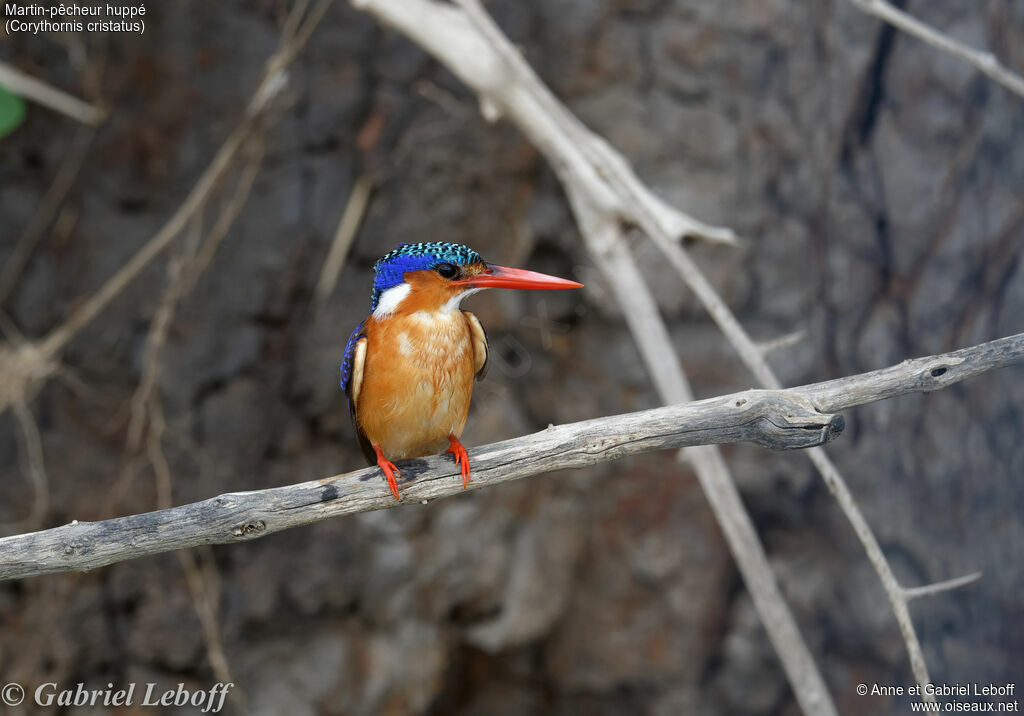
(505, 277)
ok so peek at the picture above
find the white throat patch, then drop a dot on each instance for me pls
(454, 301)
(390, 300)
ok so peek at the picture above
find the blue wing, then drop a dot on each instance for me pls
(347, 370)
(350, 349)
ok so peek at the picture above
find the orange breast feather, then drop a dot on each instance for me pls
(417, 382)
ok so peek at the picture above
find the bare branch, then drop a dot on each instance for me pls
(777, 419)
(985, 62)
(605, 194)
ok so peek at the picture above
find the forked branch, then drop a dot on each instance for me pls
(604, 191)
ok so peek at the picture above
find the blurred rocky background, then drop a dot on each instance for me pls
(880, 184)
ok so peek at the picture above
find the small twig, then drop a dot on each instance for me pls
(203, 584)
(146, 407)
(39, 92)
(778, 419)
(929, 590)
(985, 62)
(755, 361)
(777, 344)
(182, 273)
(343, 237)
(294, 19)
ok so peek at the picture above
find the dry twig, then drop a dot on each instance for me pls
(39, 92)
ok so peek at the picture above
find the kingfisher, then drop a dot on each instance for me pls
(409, 367)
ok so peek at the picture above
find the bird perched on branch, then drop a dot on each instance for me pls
(409, 366)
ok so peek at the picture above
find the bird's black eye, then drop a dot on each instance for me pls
(447, 270)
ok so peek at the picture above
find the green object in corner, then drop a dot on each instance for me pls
(12, 112)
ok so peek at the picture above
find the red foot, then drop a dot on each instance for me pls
(461, 458)
(389, 470)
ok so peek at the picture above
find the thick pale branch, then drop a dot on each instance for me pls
(777, 419)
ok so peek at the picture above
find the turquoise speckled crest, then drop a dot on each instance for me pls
(392, 267)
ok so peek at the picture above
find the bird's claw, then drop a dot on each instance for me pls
(461, 458)
(389, 469)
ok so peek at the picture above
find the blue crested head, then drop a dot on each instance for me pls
(391, 268)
